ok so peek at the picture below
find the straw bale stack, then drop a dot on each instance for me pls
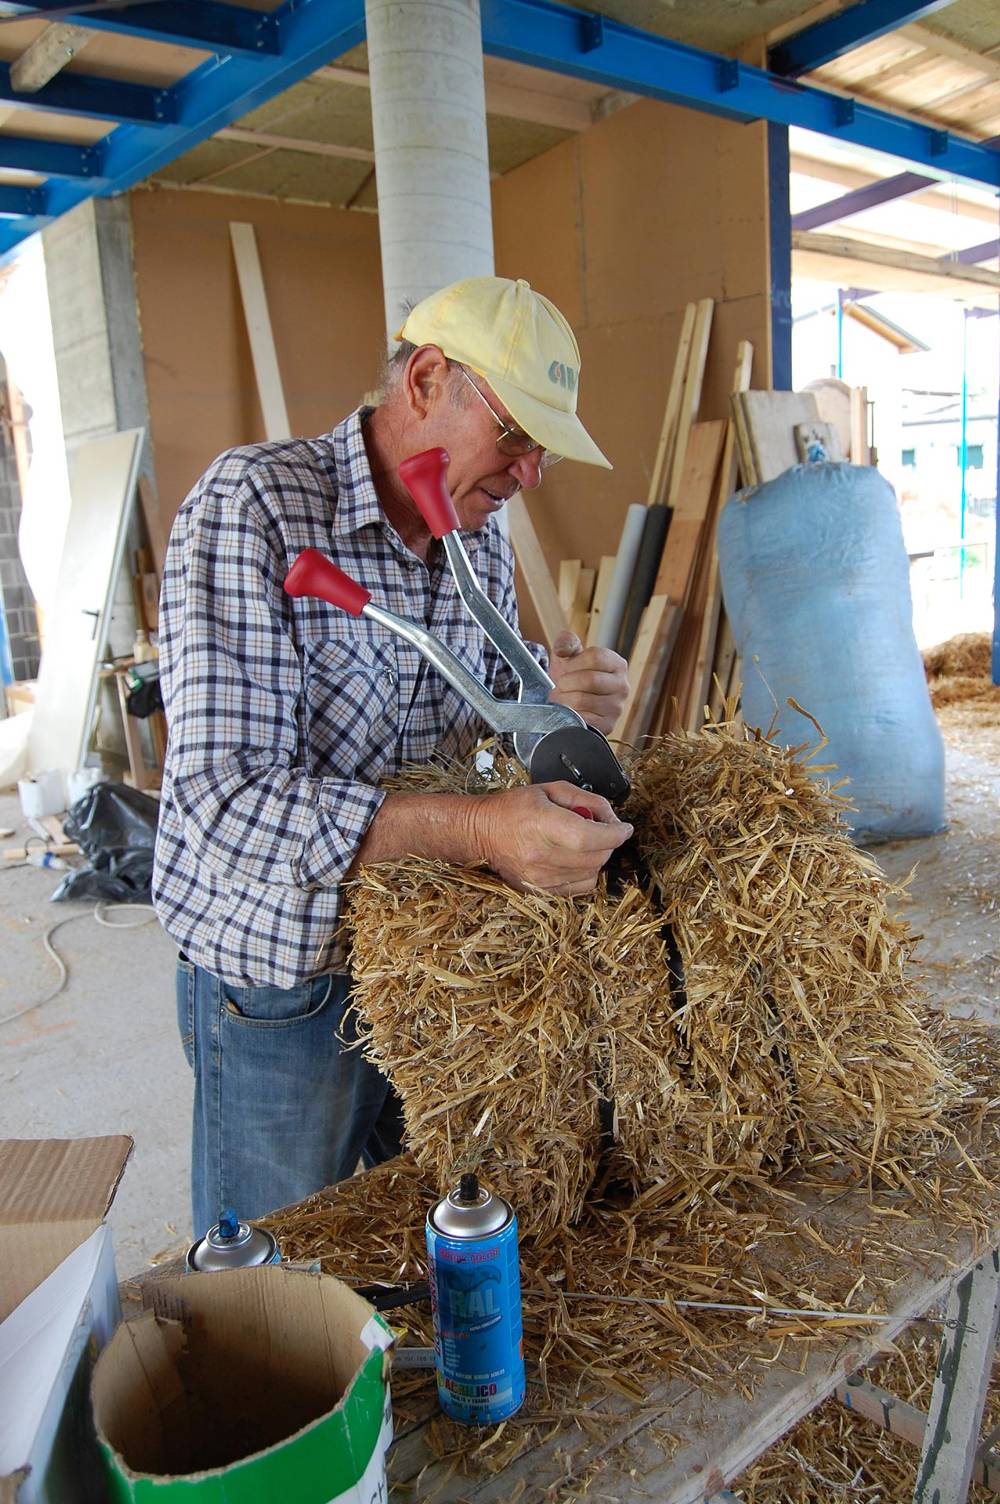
(741, 994)
(960, 670)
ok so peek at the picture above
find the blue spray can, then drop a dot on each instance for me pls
(475, 1288)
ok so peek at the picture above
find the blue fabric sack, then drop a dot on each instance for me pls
(816, 583)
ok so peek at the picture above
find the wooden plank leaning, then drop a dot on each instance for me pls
(258, 321)
(702, 678)
(535, 569)
(671, 413)
(666, 606)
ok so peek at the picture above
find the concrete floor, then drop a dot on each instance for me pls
(104, 1056)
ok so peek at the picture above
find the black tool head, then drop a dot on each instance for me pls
(582, 756)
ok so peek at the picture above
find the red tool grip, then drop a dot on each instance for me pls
(583, 812)
(423, 476)
(314, 574)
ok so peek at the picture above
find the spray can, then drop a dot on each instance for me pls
(232, 1244)
(475, 1288)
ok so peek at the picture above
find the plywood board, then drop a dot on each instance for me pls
(102, 484)
(771, 418)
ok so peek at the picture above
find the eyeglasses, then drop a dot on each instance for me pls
(513, 442)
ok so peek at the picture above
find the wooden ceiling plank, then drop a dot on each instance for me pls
(934, 41)
(266, 139)
(945, 101)
(506, 99)
(913, 65)
(883, 56)
(43, 58)
(865, 253)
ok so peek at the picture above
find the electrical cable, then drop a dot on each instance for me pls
(98, 913)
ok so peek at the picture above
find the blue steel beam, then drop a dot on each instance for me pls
(859, 199)
(566, 40)
(972, 255)
(204, 24)
(18, 202)
(843, 32)
(53, 159)
(210, 97)
(100, 98)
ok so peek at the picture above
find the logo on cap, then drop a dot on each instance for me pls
(563, 375)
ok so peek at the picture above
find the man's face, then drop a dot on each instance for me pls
(480, 478)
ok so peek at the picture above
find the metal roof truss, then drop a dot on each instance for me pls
(256, 55)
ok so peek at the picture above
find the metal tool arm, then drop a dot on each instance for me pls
(314, 574)
(500, 715)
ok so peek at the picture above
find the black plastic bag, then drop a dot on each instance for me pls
(115, 827)
(144, 697)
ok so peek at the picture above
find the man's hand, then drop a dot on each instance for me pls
(591, 681)
(532, 838)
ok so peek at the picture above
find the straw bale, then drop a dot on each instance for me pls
(738, 988)
(487, 1010)
(967, 655)
(959, 677)
(799, 1022)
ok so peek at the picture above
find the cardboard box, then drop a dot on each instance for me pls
(247, 1386)
(58, 1306)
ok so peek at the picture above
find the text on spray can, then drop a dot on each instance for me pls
(475, 1285)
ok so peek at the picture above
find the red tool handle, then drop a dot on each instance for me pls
(314, 574)
(423, 476)
(583, 812)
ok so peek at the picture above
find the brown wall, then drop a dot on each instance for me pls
(622, 226)
(323, 277)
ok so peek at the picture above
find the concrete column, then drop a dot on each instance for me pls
(425, 60)
(98, 350)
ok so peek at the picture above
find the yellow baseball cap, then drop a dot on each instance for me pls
(519, 343)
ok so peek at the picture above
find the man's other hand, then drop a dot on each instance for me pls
(591, 681)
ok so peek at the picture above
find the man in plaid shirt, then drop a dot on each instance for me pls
(285, 717)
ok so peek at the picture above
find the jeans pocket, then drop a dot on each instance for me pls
(184, 986)
(274, 1007)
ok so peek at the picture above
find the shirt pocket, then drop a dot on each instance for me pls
(460, 726)
(351, 708)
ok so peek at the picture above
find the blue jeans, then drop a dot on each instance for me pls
(281, 1108)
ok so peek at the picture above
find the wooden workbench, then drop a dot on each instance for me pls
(683, 1441)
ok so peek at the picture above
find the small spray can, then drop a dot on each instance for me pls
(475, 1288)
(232, 1244)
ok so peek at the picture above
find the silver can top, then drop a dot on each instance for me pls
(470, 1211)
(232, 1244)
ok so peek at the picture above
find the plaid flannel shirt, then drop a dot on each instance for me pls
(285, 714)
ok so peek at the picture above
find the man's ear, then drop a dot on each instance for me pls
(425, 379)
